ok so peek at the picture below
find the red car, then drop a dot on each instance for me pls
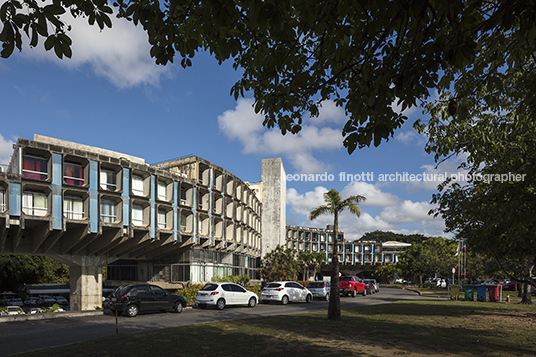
(351, 285)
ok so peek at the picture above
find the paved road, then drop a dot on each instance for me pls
(16, 337)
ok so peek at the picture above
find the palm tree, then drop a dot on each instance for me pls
(335, 205)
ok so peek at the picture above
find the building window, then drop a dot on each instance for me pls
(34, 203)
(108, 180)
(161, 191)
(183, 223)
(73, 174)
(73, 207)
(161, 219)
(35, 167)
(108, 211)
(137, 215)
(2, 200)
(137, 185)
(183, 196)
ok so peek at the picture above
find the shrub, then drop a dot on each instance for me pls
(190, 293)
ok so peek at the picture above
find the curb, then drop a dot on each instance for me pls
(50, 315)
(59, 315)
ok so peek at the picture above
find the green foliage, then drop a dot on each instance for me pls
(368, 57)
(190, 292)
(435, 254)
(385, 236)
(496, 134)
(16, 270)
(279, 264)
(52, 308)
(386, 273)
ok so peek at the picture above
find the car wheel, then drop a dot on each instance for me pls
(265, 301)
(308, 299)
(202, 306)
(327, 297)
(354, 293)
(178, 308)
(364, 292)
(284, 300)
(252, 302)
(132, 310)
(220, 304)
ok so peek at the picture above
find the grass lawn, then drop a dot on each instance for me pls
(410, 328)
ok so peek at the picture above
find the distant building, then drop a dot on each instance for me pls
(350, 252)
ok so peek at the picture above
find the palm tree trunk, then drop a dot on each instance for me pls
(334, 308)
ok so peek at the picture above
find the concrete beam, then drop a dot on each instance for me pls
(39, 235)
(51, 240)
(75, 236)
(130, 244)
(108, 236)
(90, 237)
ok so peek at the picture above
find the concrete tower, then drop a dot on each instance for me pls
(274, 195)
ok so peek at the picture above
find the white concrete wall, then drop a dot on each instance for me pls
(274, 195)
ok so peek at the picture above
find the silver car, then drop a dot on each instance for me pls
(285, 292)
(320, 289)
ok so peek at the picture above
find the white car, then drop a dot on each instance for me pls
(285, 292)
(14, 310)
(222, 294)
(15, 302)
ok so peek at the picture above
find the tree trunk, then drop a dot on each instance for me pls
(526, 288)
(334, 308)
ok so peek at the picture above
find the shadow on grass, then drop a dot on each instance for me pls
(419, 328)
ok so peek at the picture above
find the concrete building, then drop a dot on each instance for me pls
(181, 220)
(354, 256)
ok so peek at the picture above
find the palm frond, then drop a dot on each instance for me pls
(318, 211)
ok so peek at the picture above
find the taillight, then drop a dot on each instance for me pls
(279, 289)
(123, 297)
(214, 293)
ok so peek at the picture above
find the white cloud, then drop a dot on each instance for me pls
(374, 196)
(6, 149)
(411, 137)
(329, 113)
(244, 125)
(120, 54)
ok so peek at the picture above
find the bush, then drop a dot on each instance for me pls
(190, 293)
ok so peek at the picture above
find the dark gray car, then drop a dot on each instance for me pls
(135, 298)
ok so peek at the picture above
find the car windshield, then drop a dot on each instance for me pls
(316, 284)
(345, 278)
(273, 285)
(209, 287)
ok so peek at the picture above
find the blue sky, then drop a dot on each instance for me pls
(112, 95)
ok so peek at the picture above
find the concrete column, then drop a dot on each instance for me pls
(85, 281)
(273, 220)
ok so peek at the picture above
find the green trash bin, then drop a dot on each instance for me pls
(469, 292)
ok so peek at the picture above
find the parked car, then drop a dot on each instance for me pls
(61, 300)
(320, 289)
(14, 310)
(15, 302)
(369, 286)
(376, 285)
(135, 298)
(36, 310)
(351, 285)
(31, 301)
(285, 292)
(222, 294)
(47, 300)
